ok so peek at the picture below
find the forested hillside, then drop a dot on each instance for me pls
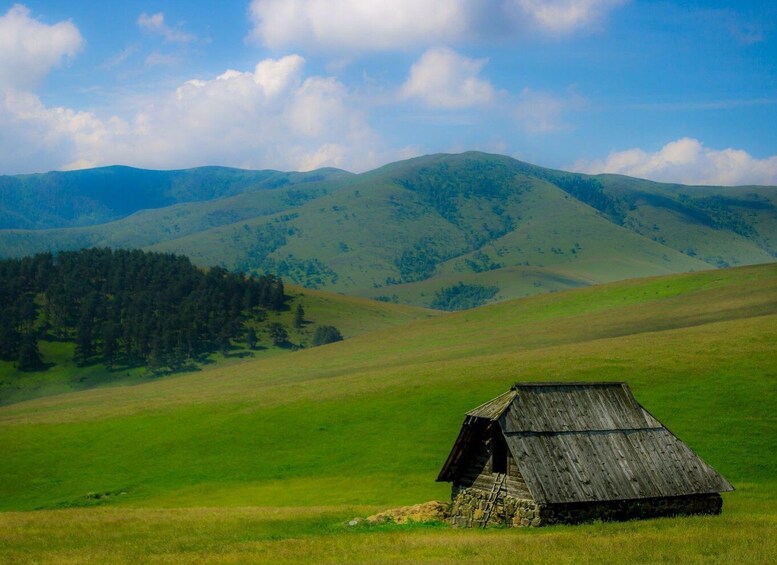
(102, 317)
(447, 231)
(127, 307)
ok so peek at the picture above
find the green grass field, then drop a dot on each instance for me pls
(267, 459)
(352, 316)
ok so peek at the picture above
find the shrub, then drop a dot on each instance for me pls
(326, 334)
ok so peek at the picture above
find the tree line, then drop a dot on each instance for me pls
(127, 307)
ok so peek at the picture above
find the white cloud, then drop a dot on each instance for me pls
(276, 76)
(542, 112)
(688, 161)
(155, 24)
(33, 136)
(357, 24)
(402, 24)
(442, 78)
(272, 116)
(564, 16)
(29, 49)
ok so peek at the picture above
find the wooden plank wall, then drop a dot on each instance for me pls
(476, 473)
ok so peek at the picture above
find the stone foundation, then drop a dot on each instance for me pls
(469, 507)
(618, 510)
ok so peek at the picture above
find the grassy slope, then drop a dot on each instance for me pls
(359, 231)
(366, 423)
(315, 437)
(657, 213)
(348, 233)
(560, 243)
(362, 229)
(302, 535)
(381, 410)
(352, 316)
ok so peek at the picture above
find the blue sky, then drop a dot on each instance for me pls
(668, 90)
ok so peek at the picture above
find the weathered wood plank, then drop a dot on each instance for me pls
(575, 443)
(586, 466)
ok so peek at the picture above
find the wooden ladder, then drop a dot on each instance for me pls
(493, 496)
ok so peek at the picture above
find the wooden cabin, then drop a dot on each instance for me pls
(548, 453)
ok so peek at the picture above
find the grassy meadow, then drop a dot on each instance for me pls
(267, 459)
(352, 316)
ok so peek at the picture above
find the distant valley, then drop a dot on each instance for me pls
(446, 231)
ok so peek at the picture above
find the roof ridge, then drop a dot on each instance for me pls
(487, 410)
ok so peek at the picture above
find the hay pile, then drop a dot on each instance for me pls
(434, 511)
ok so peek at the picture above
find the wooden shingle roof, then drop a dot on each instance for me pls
(494, 408)
(584, 442)
(563, 407)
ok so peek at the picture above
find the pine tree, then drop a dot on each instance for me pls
(251, 338)
(30, 358)
(224, 343)
(133, 306)
(84, 340)
(10, 339)
(278, 334)
(110, 343)
(299, 316)
(155, 357)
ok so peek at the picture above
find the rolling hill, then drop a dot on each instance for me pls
(267, 459)
(95, 196)
(352, 316)
(445, 230)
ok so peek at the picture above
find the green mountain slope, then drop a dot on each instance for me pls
(368, 421)
(412, 231)
(95, 196)
(147, 227)
(413, 228)
(721, 225)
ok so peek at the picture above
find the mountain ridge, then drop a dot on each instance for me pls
(60, 199)
(414, 230)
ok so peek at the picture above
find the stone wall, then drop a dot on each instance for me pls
(576, 513)
(469, 507)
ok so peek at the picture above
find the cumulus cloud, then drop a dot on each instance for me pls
(688, 161)
(357, 24)
(442, 78)
(276, 75)
(564, 16)
(29, 49)
(33, 135)
(400, 24)
(543, 112)
(272, 116)
(155, 24)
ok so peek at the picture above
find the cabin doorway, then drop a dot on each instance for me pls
(498, 451)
